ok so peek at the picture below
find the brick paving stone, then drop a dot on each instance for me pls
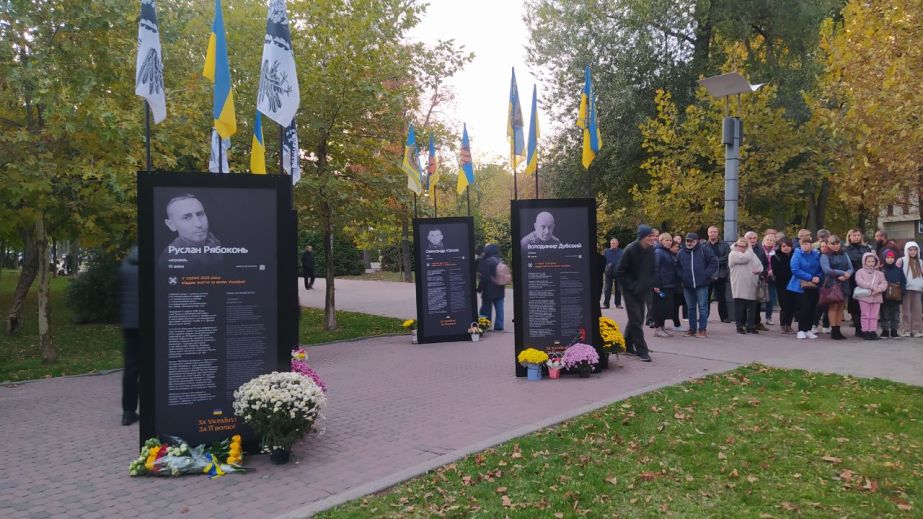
(394, 406)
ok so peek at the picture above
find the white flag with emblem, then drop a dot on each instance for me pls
(213, 156)
(149, 66)
(279, 95)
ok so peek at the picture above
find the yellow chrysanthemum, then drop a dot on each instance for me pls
(532, 356)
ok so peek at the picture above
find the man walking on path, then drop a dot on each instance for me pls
(718, 288)
(307, 266)
(613, 255)
(635, 273)
(696, 266)
(128, 289)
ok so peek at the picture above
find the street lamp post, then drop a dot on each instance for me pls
(719, 87)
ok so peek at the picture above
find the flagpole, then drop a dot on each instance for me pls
(147, 133)
(435, 204)
(468, 193)
(220, 151)
(415, 205)
(281, 149)
(589, 184)
(537, 195)
(513, 161)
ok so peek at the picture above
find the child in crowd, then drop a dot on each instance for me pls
(873, 283)
(891, 309)
(911, 308)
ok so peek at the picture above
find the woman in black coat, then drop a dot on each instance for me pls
(782, 273)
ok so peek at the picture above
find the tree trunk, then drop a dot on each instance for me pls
(406, 264)
(330, 314)
(817, 208)
(30, 264)
(49, 353)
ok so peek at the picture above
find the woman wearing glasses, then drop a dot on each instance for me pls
(745, 271)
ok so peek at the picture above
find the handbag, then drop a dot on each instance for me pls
(762, 291)
(807, 284)
(831, 293)
(894, 292)
(861, 292)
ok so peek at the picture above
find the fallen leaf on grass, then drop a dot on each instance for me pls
(871, 485)
(789, 507)
(613, 480)
(650, 476)
(734, 474)
(558, 515)
(752, 479)
(500, 490)
(842, 440)
(831, 459)
(722, 456)
(505, 501)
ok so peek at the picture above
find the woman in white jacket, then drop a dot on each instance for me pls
(911, 306)
(745, 269)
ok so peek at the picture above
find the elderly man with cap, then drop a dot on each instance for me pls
(635, 274)
(697, 267)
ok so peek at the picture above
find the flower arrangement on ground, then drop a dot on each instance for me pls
(484, 324)
(611, 335)
(300, 365)
(555, 361)
(475, 329)
(174, 457)
(280, 407)
(410, 324)
(581, 357)
(532, 356)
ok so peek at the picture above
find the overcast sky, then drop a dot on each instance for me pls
(495, 32)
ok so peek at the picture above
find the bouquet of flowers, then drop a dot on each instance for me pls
(280, 407)
(555, 361)
(474, 328)
(300, 365)
(532, 356)
(580, 354)
(410, 324)
(611, 335)
(174, 457)
(484, 324)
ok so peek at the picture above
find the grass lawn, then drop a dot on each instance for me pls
(94, 347)
(755, 442)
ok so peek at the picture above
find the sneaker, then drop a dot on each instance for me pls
(769, 322)
(619, 307)
(129, 417)
(894, 334)
(825, 330)
(660, 332)
(644, 358)
(905, 334)
(815, 328)
(874, 336)
(741, 330)
(702, 334)
(689, 333)
(753, 330)
(811, 335)
(725, 321)
(762, 328)
(683, 328)
(917, 335)
(802, 335)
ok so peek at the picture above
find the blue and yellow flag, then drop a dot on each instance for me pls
(432, 167)
(532, 156)
(514, 124)
(411, 164)
(218, 71)
(257, 148)
(465, 167)
(586, 119)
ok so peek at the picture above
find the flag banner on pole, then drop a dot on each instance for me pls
(291, 154)
(432, 168)
(465, 166)
(218, 71)
(514, 124)
(279, 95)
(411, 164)
(213, 156)
(149, 65)
(586, 119)
(258, 148)
(532, 155)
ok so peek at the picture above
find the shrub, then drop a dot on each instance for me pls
(93, 295)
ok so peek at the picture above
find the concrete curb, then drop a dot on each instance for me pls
(422, 468)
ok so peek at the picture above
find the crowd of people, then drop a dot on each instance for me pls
(814, 281)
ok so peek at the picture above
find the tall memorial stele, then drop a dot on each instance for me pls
(218, 297)
(557, 275)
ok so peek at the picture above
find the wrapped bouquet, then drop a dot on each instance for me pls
(174, 457)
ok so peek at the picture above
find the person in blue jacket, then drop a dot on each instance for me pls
(806, 277)
(697, 267)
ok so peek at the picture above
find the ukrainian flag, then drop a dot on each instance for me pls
(466, 167)
(218, 71)
(586, 119)
(532, 156)
(257, 148)
(411, 164)
(432, 167)
(514, 124)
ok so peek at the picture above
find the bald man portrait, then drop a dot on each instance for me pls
(543, 233)
(186, 216)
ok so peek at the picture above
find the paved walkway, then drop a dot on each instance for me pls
(396, 410)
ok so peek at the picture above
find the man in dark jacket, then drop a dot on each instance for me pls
(492, 294)
(696, 266)
(613, 255)
(717, 290)
(307, 266)
(128, 288)
(635, 273)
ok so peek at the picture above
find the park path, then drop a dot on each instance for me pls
(396, 410)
